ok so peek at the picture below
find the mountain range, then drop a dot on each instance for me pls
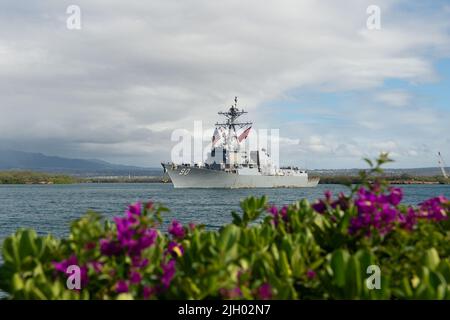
(20, 160)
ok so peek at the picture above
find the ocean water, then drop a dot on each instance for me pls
(51, 208)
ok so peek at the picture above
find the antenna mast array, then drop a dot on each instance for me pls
(232, 114)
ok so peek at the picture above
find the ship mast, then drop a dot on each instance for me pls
(232, 115)
(232, 125)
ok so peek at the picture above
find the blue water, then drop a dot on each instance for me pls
(50, 208)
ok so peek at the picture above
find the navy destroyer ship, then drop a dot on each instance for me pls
(228, 166)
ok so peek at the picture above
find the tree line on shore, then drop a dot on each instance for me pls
(30, 177)
(397, 179)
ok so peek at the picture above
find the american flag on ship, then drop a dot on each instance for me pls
(244, 134)
(216, 136)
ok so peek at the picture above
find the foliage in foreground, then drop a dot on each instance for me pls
(301, 251)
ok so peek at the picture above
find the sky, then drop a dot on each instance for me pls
(118, 87)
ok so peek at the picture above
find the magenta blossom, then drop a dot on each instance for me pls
(122, 286)
(138, 262)
(168, 273)
(273, 210)
(311, 274)
(63, 266)
(134, 210)
(408, 220)
(135, 277)
(320, 206)
(342, 202)
(130, 236)
(176, 229)
(265, 292)
(328, 195)
(376, 212)
(175, 249)
(283, 212)
(147, 292)
(148, 238)
(435, 208)
(396, 195)
(110, 247)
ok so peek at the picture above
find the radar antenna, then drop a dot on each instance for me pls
(232, 115)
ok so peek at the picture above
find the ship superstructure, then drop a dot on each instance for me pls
(230, 165)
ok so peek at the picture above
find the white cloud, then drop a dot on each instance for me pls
(396, 98)
(138, 70)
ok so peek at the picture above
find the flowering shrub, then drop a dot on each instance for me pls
(298, 251)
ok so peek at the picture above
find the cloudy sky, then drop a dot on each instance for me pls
(137, 70)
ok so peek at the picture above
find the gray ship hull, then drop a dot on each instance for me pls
(194, 177)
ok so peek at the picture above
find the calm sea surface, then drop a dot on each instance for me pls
(50, 208)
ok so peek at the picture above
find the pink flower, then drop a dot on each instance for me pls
(135, 277)
(134, 210)
(175, 249)
(376, 212)
(109, 247)
(64, 264)
(176, 229)
(319, 206)
(311, 274)
(273, 210)
(265, 291)
(435, 208)
(122, 286)
(168, 273)
(147, 292)
(396, 195)
(138, 262)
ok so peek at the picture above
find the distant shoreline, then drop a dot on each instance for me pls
(403, 179)
(39, 178)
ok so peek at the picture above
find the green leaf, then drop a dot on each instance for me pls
(353, 278)
(339, 260)
(431, 259)
(284, 265)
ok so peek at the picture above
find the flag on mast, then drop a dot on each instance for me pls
(244, 134)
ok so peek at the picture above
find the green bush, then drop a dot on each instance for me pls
(324, 250)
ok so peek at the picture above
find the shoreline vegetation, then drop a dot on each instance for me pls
(41, 178)
(31, 177)
(400, 179)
